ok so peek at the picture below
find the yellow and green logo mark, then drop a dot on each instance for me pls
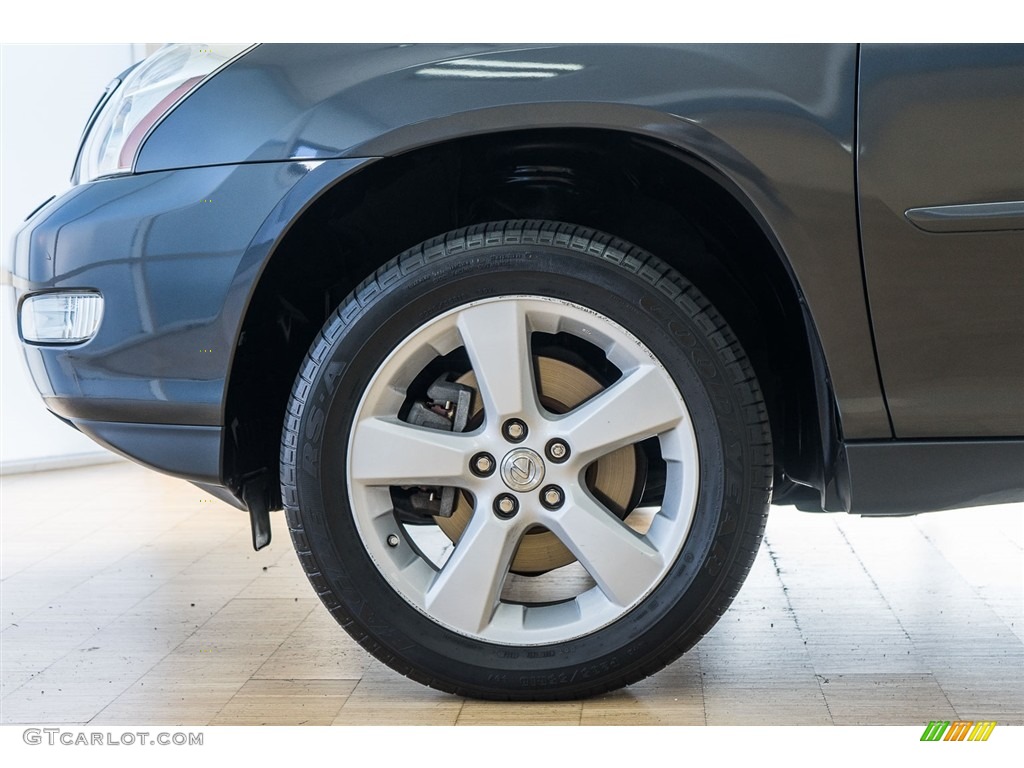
(958, 730)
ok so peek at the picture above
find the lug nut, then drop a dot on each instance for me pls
(506, 506)
(551, 496)
(514, 430)
(557, 450)
(482, 465)
(393, 540)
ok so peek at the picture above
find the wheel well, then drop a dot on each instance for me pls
(628, 186)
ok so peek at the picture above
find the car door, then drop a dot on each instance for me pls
(941, 188)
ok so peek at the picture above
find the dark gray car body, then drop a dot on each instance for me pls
(869, 171)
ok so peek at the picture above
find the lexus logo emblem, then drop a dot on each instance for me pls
(522, 470)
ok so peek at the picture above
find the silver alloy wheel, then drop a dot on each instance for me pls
(464, 591)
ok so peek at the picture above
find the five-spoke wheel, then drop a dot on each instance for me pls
(462, 586)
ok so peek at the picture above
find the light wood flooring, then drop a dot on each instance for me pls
(132, 598)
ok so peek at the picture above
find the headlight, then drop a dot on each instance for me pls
(61, 317)
(146, 94)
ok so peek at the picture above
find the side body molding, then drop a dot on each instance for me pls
(971, 217)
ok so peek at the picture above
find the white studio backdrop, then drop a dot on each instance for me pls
(46, 95)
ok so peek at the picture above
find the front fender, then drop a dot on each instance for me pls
(776, 121)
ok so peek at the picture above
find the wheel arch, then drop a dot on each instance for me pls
(357, 219)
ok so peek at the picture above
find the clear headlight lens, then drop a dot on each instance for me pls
(146, 94)
(61, 318)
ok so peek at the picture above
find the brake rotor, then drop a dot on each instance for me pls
(562, 387)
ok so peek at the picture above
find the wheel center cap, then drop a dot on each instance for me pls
(522, 470)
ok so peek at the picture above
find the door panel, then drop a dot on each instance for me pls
(941, 136)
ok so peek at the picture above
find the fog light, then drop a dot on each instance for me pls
(61, 318)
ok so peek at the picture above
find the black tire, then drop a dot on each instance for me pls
(623, 283)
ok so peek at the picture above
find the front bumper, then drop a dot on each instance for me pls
(176, 256)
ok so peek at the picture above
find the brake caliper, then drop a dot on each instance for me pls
(447, 408)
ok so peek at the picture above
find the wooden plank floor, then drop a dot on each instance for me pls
(132, 598)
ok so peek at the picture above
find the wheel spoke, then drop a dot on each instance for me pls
(642, 404)
(387, 451)
(466, 591)
(498, 344)
(622, 563)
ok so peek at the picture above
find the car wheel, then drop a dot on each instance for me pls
(526, 460)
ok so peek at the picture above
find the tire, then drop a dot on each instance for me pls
(555, 571)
